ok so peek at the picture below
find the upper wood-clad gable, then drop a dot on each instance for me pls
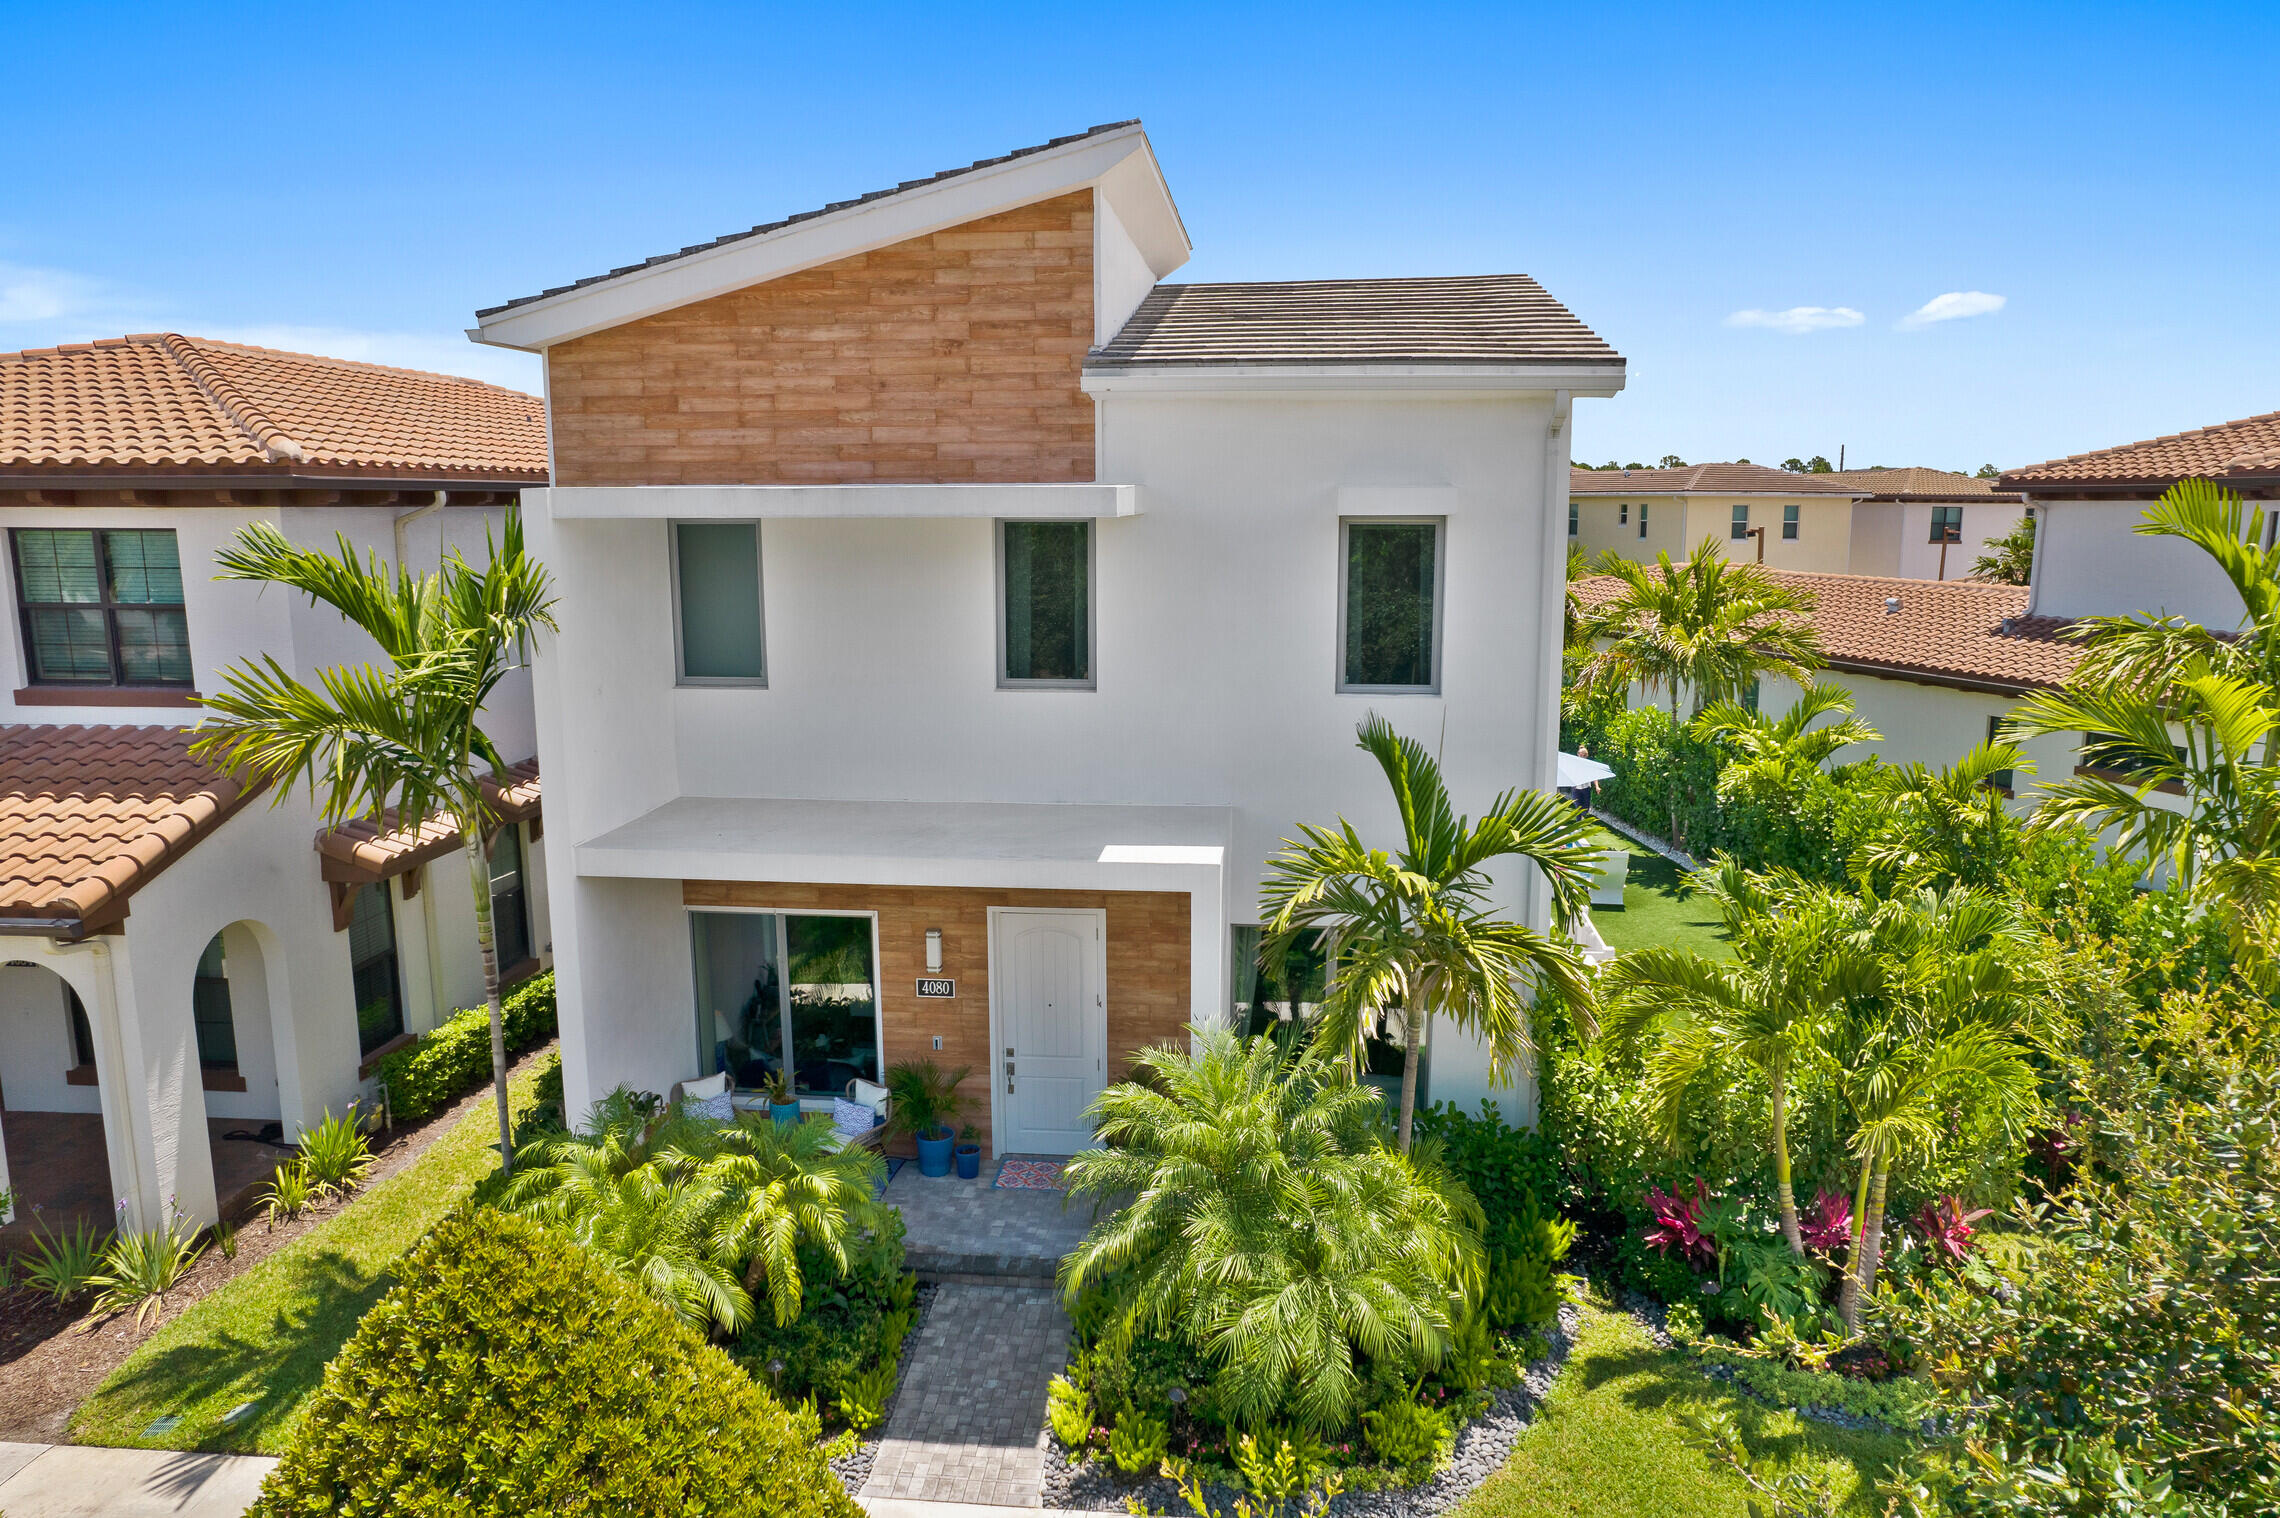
(953, 357)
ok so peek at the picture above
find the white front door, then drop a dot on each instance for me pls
(1048, 990)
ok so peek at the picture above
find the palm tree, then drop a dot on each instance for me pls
(1417, 929)
(1797, 966)
(1271, 1227)
(1770, 753)
(1941, 827)
(404, 740)
(2010, 559)
(1709, 626)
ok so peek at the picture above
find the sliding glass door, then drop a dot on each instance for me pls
(778, 990)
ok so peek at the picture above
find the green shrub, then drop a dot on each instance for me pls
(863, 1396)
(143, 1265)
(1136, 1443)
(62, 1263)
(1902, 1403)
(1405, 1433)
(509, 1374)
(439, 1067)
(335, 1156)
(845, 1322)
(1068, 1411)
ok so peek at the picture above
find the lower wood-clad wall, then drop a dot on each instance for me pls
(1147, 953)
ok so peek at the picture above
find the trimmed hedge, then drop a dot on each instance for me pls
(439, 1067)
(511, 1374)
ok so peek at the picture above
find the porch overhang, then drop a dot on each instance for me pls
(746, 503)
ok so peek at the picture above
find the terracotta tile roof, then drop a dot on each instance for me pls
(1948, 631)
(2246, 452)
(1706, 479)
(1921, 485)
(90, 814)
(837, 205)
(1477, 319)
(375, 849)
(162, 401)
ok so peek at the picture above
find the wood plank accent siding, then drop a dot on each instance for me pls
(1147, 953)
(949, 358)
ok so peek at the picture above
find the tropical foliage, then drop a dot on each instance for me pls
(1706, 629)
(2009, 559)
(1772, 755)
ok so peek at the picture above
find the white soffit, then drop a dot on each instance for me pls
(1120, 163)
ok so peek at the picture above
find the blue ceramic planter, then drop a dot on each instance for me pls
(969, 1162)
(784, 1112)
(934, 1154)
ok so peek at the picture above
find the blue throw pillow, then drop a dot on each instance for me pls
(717, 1109)
(852, 1119)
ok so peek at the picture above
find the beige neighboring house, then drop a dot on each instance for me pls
(1926, 524)
(1784, 520)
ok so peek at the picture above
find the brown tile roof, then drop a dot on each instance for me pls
(368, 849)
(90, 814)
(161, 401)
(1706, 479)
(2246, 452)
(1949, 632)
(837, 205)
(1921, 485)
(1477, 319)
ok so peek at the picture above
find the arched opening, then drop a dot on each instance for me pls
(55, 1159)
(237, 1059)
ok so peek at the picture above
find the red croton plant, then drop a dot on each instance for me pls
(1678, 1224)
(1946, 1227)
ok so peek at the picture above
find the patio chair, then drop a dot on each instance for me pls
(1614, 871)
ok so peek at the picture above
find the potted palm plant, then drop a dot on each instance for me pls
(923, 1100)
(969, 1153)
(782, 1105)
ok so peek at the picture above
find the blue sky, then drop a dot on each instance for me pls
(359, 183)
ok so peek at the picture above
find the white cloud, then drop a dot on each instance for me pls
(443, 352)
(38, 298)
(1798, 318)
(1953, 306)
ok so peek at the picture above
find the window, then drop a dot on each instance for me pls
(1622, 515)
(1947, 524)
(1642, 519)
(2001, 779)
(210, 1010)
(2127, 763)
(1279, 997)
(82, 1036)
(1789, 523)
(1741, 528)
(716, 600)
(1574, 518)
(510, 903)
(1389, 605)
(1753, 694)
(1045, 573)
(372, 966)
(767, 982)
(101, 607)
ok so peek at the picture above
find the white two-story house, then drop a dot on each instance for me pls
(955, 618)
(184, 961)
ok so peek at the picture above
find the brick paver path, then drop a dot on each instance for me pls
(968, 1426)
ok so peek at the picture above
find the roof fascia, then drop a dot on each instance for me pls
(854, 229)
(1914, 676)
(1269, 379)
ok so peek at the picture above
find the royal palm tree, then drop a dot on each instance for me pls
(1270, 1226)
(1709, 627)
(1941, 827)
(1417, 929)
(401, 741)
(1770, 753)
(1798, 965)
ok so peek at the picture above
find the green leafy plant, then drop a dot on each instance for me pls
(1792, 1494)
(1708, 627)
(62, 1263)
(502, 1335)
(1405, 1433)
(780, 1090)
(225, 1238)
(863, 1397)
(443, 1065)
(1197, 1497)
(1280, 1463)
(289, 1194)
(923, 1098)
(1068, 1412)
(142, 1265)
(1136, 1443)
(334, 1154)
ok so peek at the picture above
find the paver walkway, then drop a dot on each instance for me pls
(80, 1481)
(969, 1424)
(962, 1229)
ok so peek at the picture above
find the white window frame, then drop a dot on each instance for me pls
(1643, 505)
(1440, 525)
(681, 675)
(1743, 522)
(784, 1008)
(1092, 606)
(1792, 521)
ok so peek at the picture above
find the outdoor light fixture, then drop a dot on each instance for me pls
(934, 951)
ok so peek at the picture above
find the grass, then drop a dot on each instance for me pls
(1657, 908)
(267, 1336)
(1608, 1442)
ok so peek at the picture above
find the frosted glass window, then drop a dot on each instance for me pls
(717, 591)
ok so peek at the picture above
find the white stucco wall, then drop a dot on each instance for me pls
(35, 1043)
(2091, 562)
(1932, 725)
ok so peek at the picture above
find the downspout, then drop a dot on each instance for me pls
(113, 1051)
(406, 519)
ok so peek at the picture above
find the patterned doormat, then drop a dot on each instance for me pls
(1016, 1174)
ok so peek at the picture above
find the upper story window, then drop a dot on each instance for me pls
(1642, 519)
(1741, 528)
(101, 606)
(1789, 522)
(1947, 524)
(1622, 514)
(1045, 604)
(1389, 605)
(1575, 518)
(716, 604)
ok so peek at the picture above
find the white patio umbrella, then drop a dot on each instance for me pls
(1576, 770)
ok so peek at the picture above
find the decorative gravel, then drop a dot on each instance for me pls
(1482, 1447)
(854, 1468)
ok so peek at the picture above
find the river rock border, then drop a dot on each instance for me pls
(854, 1468)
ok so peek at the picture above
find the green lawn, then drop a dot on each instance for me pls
(1607, 1441)
(1657, 909)
(267, 1335)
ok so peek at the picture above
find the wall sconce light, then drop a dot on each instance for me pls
(934, 951)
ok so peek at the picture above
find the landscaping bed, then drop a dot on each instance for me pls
(852, 1455)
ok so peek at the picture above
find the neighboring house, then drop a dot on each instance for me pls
(183, 959)
(955, 619)
(1926, 524)
(2089, 560)
(1770, 516)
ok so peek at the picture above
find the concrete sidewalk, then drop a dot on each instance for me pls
(81, 1481)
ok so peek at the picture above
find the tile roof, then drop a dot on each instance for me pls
(375, 849)
(1473, 319)
(162, 401)
(2244, 452)
(1921, 485)
(1706, 479)
(1948, 631)
(88, 815)
(837, 205)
